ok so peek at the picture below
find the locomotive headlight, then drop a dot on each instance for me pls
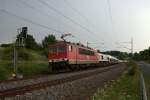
(50, 60)
(65, 59)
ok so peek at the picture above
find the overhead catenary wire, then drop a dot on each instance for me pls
(77, 11)
(35, 8)
(33, 22)
(60, 13)
(66, 17)
(32, 7)
(39, 11)
(30, 21)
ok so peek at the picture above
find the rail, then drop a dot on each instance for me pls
(142, 89)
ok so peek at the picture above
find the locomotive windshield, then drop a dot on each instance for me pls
(56, 49)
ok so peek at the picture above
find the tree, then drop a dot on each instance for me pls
(143, 55)
(29, 41)
(47, 40)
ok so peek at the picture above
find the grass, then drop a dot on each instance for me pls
(29, 63)
(125, 88)
(30, 68)
(5, 69)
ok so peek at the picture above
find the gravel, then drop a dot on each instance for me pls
(6, 85)
(81, 89)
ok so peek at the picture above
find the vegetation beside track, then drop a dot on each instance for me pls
(29, 62)
(125, 88)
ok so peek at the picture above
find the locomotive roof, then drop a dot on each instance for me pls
(71, 43)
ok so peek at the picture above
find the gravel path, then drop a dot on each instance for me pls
(80, 89)
(6, 85)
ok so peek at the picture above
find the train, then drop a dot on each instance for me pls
(73, 56)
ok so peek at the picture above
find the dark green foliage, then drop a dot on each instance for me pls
(6, 45)
(30, 42)
(131, 71)
(132, 68)
(47, 40)
(142, 55)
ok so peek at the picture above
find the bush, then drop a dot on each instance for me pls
(131, 71)
(132, 68)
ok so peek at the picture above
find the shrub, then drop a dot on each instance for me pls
(131, 71)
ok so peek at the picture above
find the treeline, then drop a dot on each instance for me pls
(142, 55)
(30, 43)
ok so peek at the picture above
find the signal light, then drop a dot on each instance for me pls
(24, 32)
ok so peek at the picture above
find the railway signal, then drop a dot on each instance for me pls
(19, 42)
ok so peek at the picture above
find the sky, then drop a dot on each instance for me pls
(104, 24)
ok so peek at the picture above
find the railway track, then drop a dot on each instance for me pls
(52, 81)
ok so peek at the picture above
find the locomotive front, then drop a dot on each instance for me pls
(57, 55)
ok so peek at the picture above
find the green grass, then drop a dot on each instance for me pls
(125, 88)
(29, 63)
(29, 68)
(5, 69)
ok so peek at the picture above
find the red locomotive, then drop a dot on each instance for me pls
(71, 56)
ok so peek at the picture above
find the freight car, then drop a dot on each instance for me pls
(66, 55)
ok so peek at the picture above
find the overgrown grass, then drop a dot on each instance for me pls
(125, 88)
(26, 68)
(29, 63)
(29, 68)
(5, 69)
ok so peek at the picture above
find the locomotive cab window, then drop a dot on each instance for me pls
(61, 49)
(52, 49)
(56, 49)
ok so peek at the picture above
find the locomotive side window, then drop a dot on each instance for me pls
(85, 51)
